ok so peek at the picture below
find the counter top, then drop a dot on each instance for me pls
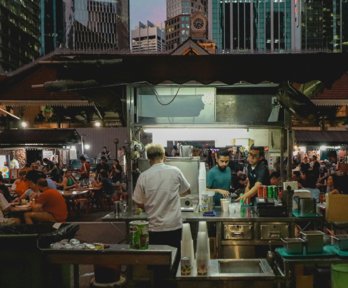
(246, 213)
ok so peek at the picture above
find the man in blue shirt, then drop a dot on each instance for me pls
(219, 177)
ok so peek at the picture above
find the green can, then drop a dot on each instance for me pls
(139, 235)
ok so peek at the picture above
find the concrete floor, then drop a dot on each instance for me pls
(93, 230)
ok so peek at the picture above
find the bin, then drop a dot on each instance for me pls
(20, 253)
(339, 275)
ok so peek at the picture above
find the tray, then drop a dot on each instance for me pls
(334, 249)
(327, 252)
(298, 215)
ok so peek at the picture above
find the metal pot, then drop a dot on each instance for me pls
(293, 245)
(341, 241)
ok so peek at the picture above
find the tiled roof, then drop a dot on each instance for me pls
(338, 90)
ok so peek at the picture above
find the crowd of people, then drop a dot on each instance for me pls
(41, 186)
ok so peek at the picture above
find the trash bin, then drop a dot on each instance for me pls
(20, 253)
(339, 275)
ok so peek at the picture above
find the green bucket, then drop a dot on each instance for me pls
(339, 275)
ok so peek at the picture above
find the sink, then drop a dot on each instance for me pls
(245, 267)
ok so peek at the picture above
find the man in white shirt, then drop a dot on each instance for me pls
(158, 192)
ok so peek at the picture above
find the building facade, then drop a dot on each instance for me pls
(19, 24)
(51, 25)
(177, 25)
(147, 39)
(97, 24)
(278, 25)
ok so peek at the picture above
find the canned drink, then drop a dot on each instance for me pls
(260, 192)
(269, 192)
(185, 264)
(117, 208)
(264, 192)
(139, 235)
(275, 192)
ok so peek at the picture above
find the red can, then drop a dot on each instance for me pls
(264, 192)
(260, 192)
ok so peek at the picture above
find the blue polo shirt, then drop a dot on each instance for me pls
(217, 179)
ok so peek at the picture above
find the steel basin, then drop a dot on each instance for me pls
(245, 267)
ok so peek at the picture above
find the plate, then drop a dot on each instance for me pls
(23, 206)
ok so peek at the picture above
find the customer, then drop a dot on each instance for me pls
(4, 190)
(274, 178)
(116, 173)
(21, 184)
(50, 206)
(158, 192)
(219, 177)
(69, 181)
(84, 170)
(258, 173)
(5, 207)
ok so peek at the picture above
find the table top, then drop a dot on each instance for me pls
(74, 192)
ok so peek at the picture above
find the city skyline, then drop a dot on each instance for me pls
(154, 11)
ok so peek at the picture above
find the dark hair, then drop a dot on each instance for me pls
(103, 158)
(223, 153)
(42, 182)
(242, 177)
(274, 174)
(82, 158)
(34, 176)
(258, 148)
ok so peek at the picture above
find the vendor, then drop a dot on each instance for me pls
(258, 173)
(219, 177)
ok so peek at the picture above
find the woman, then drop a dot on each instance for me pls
(116, 173)
(69, 181)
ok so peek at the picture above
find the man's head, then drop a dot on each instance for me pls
(103, 159)
(33, 176)
(82, 158)
(222, 159)
(255, 155)
(155, 153)
(274, 178)
(42, 184)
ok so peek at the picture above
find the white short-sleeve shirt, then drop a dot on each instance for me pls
(158, 188)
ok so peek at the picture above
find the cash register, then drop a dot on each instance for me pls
(268, 207)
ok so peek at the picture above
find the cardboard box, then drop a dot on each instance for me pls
(336, 208)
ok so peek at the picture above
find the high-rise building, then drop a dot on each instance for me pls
(19, 33)
(148, 39)
(97, 24)
(278, 25)
(178, 23)
(51, 25)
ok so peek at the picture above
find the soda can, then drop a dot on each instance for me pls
(275, 192)
(117, 208)
(264, 191)
(185, 264)
(139, 235)
(260, 192)
(269, 192)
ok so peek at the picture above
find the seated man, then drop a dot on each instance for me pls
(49, 207)
(4, 207)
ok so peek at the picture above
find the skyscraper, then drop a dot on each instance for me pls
(51, 25)
(178, 23)
(148, 38)
(278, 25)
(19, 33)
(97, 24)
